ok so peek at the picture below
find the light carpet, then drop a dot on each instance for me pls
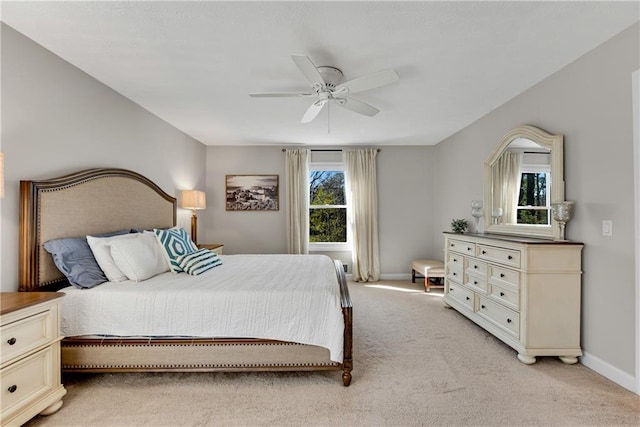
(415, 364)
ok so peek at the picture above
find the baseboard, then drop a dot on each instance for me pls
(609, 371)
(395, 276)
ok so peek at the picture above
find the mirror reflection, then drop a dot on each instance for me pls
(521, 182)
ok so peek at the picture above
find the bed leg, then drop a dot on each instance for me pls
(346, 378)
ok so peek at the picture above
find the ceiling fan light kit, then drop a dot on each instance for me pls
(327, 86)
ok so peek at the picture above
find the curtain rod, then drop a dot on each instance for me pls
(284, 149)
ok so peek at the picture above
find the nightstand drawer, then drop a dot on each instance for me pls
(26, 380)
(25, 335)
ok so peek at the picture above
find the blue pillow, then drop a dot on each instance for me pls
(74, 259)
(175, 242)
(199, 261)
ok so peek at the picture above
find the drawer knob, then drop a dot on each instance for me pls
(13, 388)
(475, 282)
(501, 274)
(468, 298)
(475, 266)
(509, 257)
(484, 252)
(501, 294)
(11, 341)
(483, 307)
(455, 260)
(452, 245)
(455, 274)
(508, 320)
(468, 248)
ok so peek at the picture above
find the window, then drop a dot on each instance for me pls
(534, 204)
(328, 229)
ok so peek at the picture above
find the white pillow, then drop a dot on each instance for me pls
(140, 258)
(102, 253)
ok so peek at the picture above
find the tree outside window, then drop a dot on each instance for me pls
(327, 207)
(533, 203)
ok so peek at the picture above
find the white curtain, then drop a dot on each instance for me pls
(297, 190)
(506, 171)
(360, 180)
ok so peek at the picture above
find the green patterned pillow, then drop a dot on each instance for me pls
(175, 242)
(199, 261)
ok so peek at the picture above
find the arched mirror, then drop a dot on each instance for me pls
(522, 178)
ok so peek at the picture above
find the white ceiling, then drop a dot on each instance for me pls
(194, 63)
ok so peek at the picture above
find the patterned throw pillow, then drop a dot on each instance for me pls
(199, 261)
(175, 242)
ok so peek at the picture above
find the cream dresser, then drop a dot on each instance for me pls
(524, 291)
(30, 358)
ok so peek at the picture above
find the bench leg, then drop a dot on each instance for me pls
(413, 276)
(427, 283)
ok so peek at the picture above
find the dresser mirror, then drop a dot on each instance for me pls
(522, 178)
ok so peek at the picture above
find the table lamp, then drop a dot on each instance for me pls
(194, 200)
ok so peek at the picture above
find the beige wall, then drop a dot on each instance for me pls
(57, 120)
(590, 102)
(405, 205)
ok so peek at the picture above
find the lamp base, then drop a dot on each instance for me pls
(194, 228)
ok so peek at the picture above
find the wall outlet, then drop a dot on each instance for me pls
(346, 267)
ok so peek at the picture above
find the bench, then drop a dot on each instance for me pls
(428, 268)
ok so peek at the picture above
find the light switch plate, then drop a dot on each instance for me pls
(607, 228)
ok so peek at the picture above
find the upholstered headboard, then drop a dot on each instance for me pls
(89, 202)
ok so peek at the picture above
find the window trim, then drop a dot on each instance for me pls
(330, 246)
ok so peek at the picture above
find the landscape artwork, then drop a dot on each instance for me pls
(252, 193)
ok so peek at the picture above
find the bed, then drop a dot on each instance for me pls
(96, 201)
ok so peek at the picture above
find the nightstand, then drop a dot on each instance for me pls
(30, 358)
(214, 247)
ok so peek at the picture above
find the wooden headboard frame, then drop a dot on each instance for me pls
(89, 202)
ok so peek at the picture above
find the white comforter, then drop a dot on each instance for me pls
(283, 297)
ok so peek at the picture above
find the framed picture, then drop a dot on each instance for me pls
(252, 193)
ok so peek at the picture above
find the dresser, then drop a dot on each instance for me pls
(524, 291)
(30, 357)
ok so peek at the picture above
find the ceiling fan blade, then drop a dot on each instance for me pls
(308, 69)
(279, 94)
(357, 106)
(369, 81)
(313, 111)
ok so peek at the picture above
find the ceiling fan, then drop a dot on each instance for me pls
(326, 87)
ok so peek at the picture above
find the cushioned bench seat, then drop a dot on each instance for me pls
(428, 268)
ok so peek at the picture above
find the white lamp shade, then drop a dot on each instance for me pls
(193, 199)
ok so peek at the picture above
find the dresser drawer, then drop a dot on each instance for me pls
(455, 259)
(508, 297)
(478, 283)
(510, 257)
(462, 294)
(461, 246)
(499, 315)
(455, 272)
(478, 268)
(26, 380)
(25, 335)
(504, 276)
